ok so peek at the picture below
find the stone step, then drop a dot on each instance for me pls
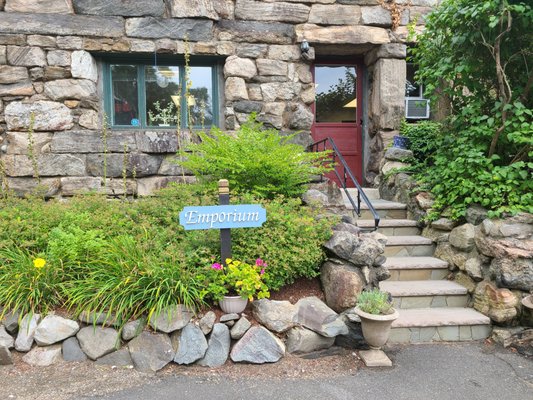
(416, 268)
(384, 208)
(422, 325)
(371, 193)
(409, 246)
(392, 227)
(426, 294)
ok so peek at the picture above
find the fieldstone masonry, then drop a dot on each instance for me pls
(49, 66)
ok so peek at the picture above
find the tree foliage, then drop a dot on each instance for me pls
(479, 55)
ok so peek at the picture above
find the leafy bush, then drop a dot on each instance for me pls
(423, 139)
(478, 56)
(255, 160)
(374, 302)
(133, 258)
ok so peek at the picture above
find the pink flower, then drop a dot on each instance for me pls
(262, 271)
(216, 266)
(260, 263)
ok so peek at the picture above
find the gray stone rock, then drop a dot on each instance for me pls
(301, 340)
(192, 345)
(72, 351)
(342, 283)
(235, 89)
(444, 224)
(26, 56)
(97, 318)
(47, 165)
(317, 316)
(278, 316)
(250, 50)
(193, 9)
(171, 319)
(387, 50)
(315, 197)
(248, 107)
(256, 32)
(52, 73)
(286, 53)
(240, 67)
(11, 322)
(473, 267)
(207, 321)
(151, 352)
(354, 339)
(17, 89)
(10, 74)
(513, 273)
(119, 358)
(64, 89)
(379, 16)
(154, 8)
(5, 356)
(358, 250)
(92, 142)
(96, 341)
(83, 66)
(463, 236)
(397, 154)
(475, 214)
(142, 164)
(133, 328)
(69, 42)
(218, 347)
(53, 329)
(27, 328)
(43, 356)
(48, 116)
(6, 339)
(41, 6)
(56, 24)
(300, 117)
(181, 29)
(59, 58)
(276, 12)
(347, 227)
(258, 346)
(269, 67)
(335, 14)
(240, 328)
(229, 317)
(276, 91)
(341, 34)
(157, 142)
(89, 119)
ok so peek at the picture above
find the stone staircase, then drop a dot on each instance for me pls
(431, 308)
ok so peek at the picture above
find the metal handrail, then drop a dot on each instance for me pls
(347, 173)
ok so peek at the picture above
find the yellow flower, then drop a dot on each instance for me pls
(39, 263)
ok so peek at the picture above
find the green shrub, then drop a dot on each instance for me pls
(374, 302)
(260, 161)
(423, 140)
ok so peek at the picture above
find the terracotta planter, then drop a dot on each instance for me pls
(233, 304)
(376, 328)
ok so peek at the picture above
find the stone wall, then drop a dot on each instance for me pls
(48, 67)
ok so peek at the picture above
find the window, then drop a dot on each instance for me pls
(412, 87)
(335, 93)
(151, 93)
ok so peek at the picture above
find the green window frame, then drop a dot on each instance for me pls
(144, 66)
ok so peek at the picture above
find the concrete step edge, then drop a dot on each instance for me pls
(450, 316)
(422, 288)
(414, 240)
(388, 223)
(401, 263)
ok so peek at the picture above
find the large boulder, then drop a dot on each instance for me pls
(258, 346)
(72, 351)
(301, 340)
(97, 341)
(119, 358)
(278, 316)
(218, 347)
(317, 316)
(342, 282)
(53, 329)
(360, 250)
(513, 273)
(463, 236)
(171, 319)
(26, 333)
(6, 339)
(151, 351)
(192, 345)
(498, 304)
(43, 356)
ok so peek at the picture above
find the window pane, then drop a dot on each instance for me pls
(162, 95)
(335, 93)
(125, 98)
(200, 102)
(412, 89)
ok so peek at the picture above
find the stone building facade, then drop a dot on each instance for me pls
(55, 58)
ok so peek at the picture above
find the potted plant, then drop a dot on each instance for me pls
(236, 282)
(166, 115)
(377, 314)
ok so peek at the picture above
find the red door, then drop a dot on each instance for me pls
(338, 111)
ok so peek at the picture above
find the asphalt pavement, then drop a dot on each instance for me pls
(436, 371)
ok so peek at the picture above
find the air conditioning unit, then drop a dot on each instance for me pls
(416, 108)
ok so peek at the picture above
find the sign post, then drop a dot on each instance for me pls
(223, 217)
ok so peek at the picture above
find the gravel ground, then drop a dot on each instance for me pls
(66, 380)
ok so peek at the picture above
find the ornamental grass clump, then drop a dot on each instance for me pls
(375, 302)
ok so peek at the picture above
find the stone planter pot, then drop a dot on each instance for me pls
(233, 304)
(376, 328)
(401, 142)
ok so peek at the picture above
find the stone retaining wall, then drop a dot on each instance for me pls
(48, 67)
(178, 336)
